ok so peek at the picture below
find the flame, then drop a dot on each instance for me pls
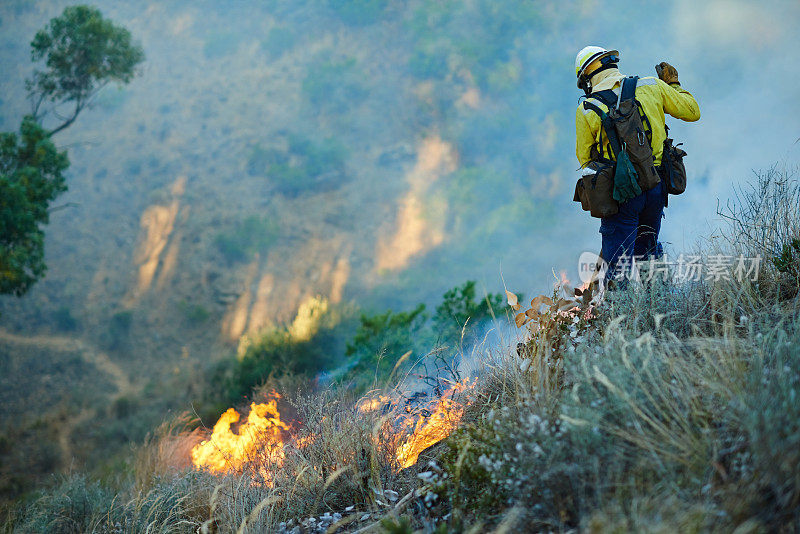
(262, 433)
(260, 440)
(367, 405)
(445, 414)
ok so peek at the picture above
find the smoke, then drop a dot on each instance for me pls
(737, 60)
(309, 119)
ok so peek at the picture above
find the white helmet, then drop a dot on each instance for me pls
(589, 55)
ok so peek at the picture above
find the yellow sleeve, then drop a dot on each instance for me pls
(679, 102)
(584, 137)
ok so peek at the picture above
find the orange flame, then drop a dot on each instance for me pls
(367, 405)
(445, 415)
(227, 451)
(260, 440)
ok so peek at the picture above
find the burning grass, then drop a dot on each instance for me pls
(228, 451)
(665, 407)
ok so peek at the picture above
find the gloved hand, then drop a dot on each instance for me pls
(667, 72)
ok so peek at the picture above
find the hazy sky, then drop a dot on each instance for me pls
(739, 60)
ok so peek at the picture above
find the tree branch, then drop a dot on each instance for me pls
(63, 207)
(78, 107)
(36, 104)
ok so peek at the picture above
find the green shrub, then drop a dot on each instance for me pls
(334, 85)
(76, 505)
(248, 236)
(196, 314)
(788, 261)
(275, 354)
(764, 460)
(381, 340)
(116, 336)
(64, 320)
(459, 309)
(304, 165)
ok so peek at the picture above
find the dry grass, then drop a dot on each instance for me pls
(673, 408)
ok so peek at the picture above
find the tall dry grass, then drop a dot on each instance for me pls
(671, 407)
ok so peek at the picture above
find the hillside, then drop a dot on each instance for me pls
(666, 407)
(278, 158)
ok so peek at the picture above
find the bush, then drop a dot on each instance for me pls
(381, 340)
(273, 354)
(459, 309)
(116, 336)
(304, 165)
(763, 221)
(334, 85)
(196, 314)
(64, 320)
(248, 236)
(76, 505)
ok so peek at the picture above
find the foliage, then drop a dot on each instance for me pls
(788, 261)
(196, 314)
(64, 320)
(303, 165)
(249, 236)
(31, 177)
(334, 85)
(458, 308)
(116, 335)
(401, 526)
(82, 53)
(382, 339)
(77, 504)
(275, 353)
(763, 222)
(479, 37)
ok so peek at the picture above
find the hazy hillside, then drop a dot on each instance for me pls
(370, 152)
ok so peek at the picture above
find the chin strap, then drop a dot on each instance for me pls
(586, 83)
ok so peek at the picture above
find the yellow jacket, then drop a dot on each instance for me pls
(656, 98)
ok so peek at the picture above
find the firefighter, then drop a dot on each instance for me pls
(633, 231)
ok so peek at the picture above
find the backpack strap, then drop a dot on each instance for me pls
(627, 92)
(607, 97)
(605, 122)
(628, 89)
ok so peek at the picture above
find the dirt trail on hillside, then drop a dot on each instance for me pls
(91, 355)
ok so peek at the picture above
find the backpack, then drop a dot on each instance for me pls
(672, 169)
(631, 171)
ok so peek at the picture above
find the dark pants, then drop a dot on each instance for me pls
(633, 231)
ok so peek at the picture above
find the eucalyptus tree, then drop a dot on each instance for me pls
(76, 55)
